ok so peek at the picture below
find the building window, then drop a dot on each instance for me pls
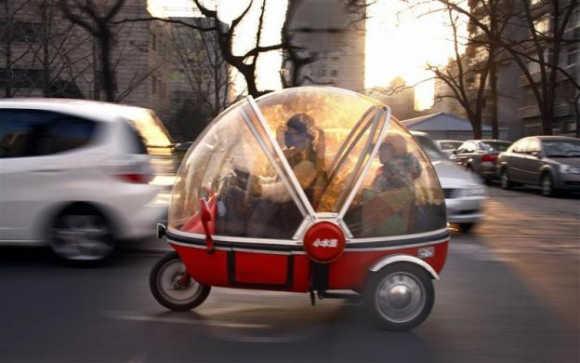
(20, 78)
(153, 85)
(334, 73)
(153, 41)
(19, 31)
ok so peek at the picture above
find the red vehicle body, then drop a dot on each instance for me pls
(310, 189)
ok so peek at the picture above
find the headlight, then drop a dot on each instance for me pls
(476, 191)
(567, 169)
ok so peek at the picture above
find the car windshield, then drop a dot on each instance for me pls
(561, 148)
(429, 147)
(495, 146)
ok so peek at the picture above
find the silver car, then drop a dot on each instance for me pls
(464, 192)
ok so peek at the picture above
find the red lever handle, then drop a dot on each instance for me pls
(206, 218)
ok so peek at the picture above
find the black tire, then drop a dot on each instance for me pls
(410, 277)
(504, 179)
(82, 234)
(466, 227)
(547, 185)
(162, 295)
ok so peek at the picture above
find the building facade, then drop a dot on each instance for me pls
(515, 107)
(334, 34)
(49, 56)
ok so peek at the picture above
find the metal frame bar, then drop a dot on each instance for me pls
(369, 114)
(295, 184)
(303, 210)
(346, 204)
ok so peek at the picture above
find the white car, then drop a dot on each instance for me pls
(464, 192)
(448, 147)
(76, 175)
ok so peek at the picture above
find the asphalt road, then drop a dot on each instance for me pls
(510, 292)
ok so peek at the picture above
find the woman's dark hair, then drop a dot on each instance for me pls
(302, 123)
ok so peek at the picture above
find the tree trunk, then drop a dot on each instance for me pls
(8, 52)
(251, 82)
(548, 116)
(577, 112)
(493, 96)
(45, 50)
(107, 72)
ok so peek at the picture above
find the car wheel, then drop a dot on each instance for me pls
(82, 234)
(400, 296)
(466, 227)
(172, 286)
(547, 185)
(505, 180)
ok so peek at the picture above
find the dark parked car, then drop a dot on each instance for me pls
(480, 156)
(551, 162)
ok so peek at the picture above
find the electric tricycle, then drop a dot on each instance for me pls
(312, 189)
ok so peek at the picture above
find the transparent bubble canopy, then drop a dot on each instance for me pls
(266, 167)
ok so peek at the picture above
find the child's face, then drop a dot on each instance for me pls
(296, 139)
(392, 149)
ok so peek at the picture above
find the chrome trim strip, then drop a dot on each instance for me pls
(404, 258)
(399, 237)
(288, 242)
(366, 167)
(280, 154)
(340, 154)
(397, 247)
(221, 238)
(347, 250)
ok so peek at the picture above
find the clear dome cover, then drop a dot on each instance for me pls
(264, 168)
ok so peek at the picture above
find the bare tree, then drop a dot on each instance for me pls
(59, 53)
(466, 82)
(17, 39)
(197, 56)
(97, 20)
(546, 24)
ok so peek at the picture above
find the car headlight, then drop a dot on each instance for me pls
(477, 191)
(567, 169)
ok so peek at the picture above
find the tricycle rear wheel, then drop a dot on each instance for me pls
(172, 286)
(400, 296)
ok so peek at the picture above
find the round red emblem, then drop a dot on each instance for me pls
(324, 242)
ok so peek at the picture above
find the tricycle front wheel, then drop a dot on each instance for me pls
(172, 286)
(400, 296)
